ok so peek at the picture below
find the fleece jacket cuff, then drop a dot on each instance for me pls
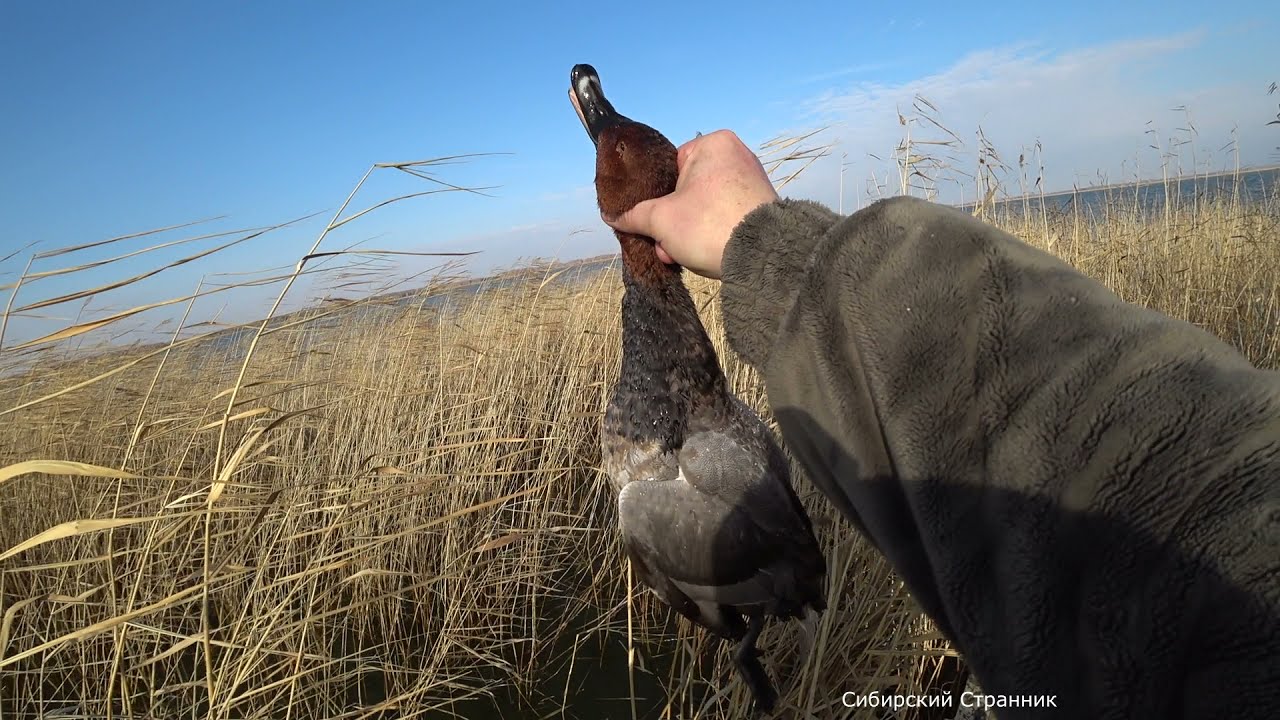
(762, 271)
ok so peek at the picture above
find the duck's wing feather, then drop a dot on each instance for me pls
(748, 470)
(720, 528)
(707, 549)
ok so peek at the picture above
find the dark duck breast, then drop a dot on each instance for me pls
(705, 505)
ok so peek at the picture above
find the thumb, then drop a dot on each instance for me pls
(636, 221)
(663, 256)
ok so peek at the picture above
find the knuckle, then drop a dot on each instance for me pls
(724, 136)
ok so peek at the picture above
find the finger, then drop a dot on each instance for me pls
(683, 152)
(637, 221)
(686, 151)
(726, 134)
(663, 256)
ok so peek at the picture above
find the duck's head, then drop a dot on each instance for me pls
(634, 162)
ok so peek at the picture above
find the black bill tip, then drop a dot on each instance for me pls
(594, 110)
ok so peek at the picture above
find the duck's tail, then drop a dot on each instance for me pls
(808, 620)
(808, 633)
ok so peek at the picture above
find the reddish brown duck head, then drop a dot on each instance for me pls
(634, 162)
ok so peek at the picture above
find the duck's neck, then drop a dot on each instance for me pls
(669, 367)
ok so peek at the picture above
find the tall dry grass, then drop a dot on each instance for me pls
(392, 508)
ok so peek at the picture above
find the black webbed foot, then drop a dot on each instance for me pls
(753, 673)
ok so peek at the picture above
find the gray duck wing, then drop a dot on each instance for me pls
(708, 550)
(725, 528)
(748, 471)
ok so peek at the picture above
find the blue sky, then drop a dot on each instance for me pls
(121, 117)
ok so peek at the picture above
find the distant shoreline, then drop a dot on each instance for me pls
(546, 267)
(1135, 184)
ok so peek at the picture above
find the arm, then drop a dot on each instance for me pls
(1081, 492)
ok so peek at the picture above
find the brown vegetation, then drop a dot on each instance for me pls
(390, 510)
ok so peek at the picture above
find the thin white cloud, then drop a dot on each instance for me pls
(860, 69)
(575, 194)
(1090, 109)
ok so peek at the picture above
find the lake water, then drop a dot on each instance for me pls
(1247, 186)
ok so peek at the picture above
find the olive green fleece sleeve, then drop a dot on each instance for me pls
(1083, 493)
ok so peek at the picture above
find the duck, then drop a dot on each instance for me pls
(707, 513)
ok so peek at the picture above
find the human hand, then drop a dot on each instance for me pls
(720, 181)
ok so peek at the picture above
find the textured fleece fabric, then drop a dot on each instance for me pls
(1081, 492)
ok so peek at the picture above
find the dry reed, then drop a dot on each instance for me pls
(389, 507)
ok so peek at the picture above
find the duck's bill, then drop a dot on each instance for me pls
(588, 100)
